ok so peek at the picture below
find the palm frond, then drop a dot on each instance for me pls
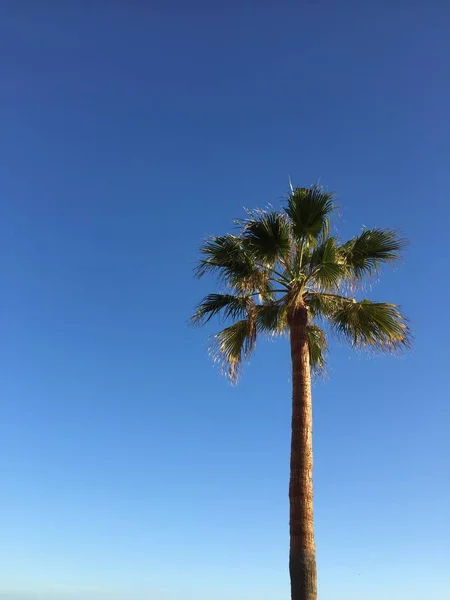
(231, 307)
(223, 252)
(327, 268)
(271, 318)
(232, 345)
(365, 253)
(267, 235)
(226, 257)
(317, 344)
(324, 306)
(375, 325)
(309, 210)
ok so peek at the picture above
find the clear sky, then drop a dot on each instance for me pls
(129, 132)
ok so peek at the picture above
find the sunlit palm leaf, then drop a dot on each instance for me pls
(267, 236)
(231, 307)
(325, 306)
(317, 344)
(309, 210)
(226, 257)
(377, 325)
(326, 265)
(232, 345)
(224, 253)
(271, 318)
(365, 253)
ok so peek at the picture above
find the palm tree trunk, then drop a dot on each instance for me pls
(302, 554)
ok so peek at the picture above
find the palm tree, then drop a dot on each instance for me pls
(283, 273)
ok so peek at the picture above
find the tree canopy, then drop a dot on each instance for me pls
(279, 261)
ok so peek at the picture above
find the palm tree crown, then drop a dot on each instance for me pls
(279, 261)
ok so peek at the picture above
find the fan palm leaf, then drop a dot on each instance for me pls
(327, 268)
(229, 306)
(271, 318)
(234, 264)
(232, 345)
(309, 210)
(317, 345)
(376, 325)
(268, 236)
(365, 253)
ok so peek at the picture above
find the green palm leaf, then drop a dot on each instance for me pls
(365, 253)
(309, 210)
(377, 325)
(226, 256)
(232, 345)
(267, 235)
(325, 306)
(271, 318)
(326, 266)
(317, 344)
(231, 307)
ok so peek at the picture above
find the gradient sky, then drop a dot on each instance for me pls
(129, 132)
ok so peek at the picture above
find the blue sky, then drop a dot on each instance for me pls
(130, 131)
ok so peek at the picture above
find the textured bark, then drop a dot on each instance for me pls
(302, 554)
